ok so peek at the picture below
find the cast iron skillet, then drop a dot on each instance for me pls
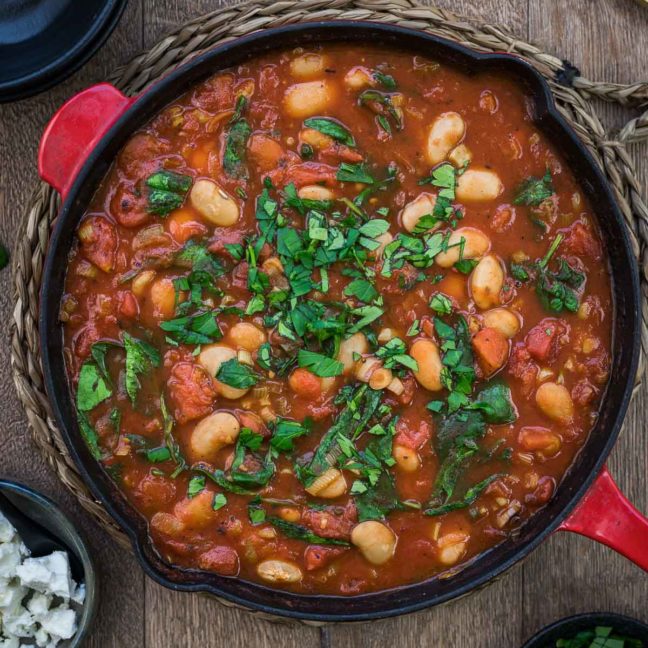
(77, 150)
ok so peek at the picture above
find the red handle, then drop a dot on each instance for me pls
(605, 515)
(75, 130)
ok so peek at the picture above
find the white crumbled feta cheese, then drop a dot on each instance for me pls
(7, 531)
(79, 594)
(9, 642)
(48, 574)
(19, 622)
(60, 622)
(28, 588)
(39, 604)
(11, 596)
(42, 638)
(10, 558)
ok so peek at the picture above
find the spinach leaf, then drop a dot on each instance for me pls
(379, 499)
(385, 80)
(89, 434)
(236, 142)
(167, 191)
(332, 128)
(200, 328)
(469, 498)
(382, 103)
(196, 486)
(495, 403)
(170, 440)
(319, 364)
(141, 357)
(354, 173)
(534, 191)
(92, 388)
(236, 374)
(284, 431)
(299, 532)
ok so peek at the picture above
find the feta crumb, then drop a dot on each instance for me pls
(19, 622)
(10, 558)
(39, 605)
(48, 574)
(27, 589)
(79, 594)
(11, 596)
(9, 642)
(61, 622)
(7, 531)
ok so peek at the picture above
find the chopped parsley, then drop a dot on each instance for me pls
(534, 191)
(236, 141)
(167, 191)
(236, 374)
(332, 128)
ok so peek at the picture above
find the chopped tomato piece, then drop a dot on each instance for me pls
(128, 305)
(581, 242)
(192, 391)
(305, 383)
(309, 173)
(99, 242)
(543, 339)
(413, 437)
(316, 556)
(523, 367)
(222, 560)
(332, 521)
(491, 348)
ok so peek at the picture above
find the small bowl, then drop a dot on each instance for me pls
(44, 511)
(569, 626)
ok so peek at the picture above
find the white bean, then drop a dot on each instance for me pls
(426, 354)
(245, 335)
(279, 571)
(555, 401)
(213, 203)
(375, 540)
(445, 133)
(213, 433)
(310, 98)
(358, 78)
(355, 345)
(211, 358)
(504, 320)
(412, 213)
(486, 282)
(475, 245)
(315, 192)
(460, 155)
(308, 66)
(406, 458)
(478, 185)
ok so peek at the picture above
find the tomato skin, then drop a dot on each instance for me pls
(192, 391)
(305, 384)
(221, 559)
(317, 556)
(543, 339)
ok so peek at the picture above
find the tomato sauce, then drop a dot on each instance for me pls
(284, 359)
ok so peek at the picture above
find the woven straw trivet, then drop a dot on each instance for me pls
(572, 93)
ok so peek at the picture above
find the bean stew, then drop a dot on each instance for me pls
(338, 320)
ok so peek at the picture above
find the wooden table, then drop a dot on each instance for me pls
(606, 39)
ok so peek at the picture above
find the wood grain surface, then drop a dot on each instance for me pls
(606, 39)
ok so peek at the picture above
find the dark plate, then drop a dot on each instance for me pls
(566, 628)
(45, 512)
(625, 343)
(43, 42)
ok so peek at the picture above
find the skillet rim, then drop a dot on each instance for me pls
(545, 114)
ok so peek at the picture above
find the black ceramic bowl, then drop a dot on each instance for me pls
(43, 42)
(566, 628)
(625, 344)
(45, 512)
